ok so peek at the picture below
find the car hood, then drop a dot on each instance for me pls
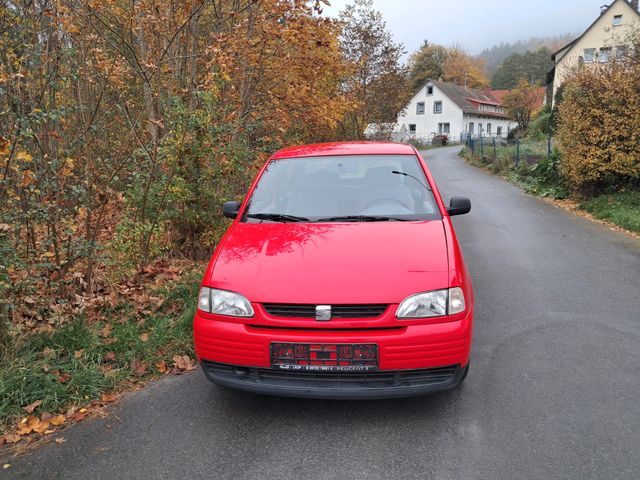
(332, 263)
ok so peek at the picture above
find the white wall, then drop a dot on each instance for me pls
(427, 124)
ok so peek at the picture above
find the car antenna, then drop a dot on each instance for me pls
(396, 172)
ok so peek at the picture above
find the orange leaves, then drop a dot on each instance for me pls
(599, 126)
(138, 367)
(183, 363)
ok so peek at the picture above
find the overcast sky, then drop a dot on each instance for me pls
(478, 24)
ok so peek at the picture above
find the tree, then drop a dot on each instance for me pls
(425, 63)
(451, 64)
(534, 66)
(463, 69)
(521, 103)
(377, 84)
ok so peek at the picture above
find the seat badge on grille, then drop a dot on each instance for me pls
(323, 313)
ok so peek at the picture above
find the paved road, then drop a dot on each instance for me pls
(553, 392)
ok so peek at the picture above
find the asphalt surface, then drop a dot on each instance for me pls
(553, 391)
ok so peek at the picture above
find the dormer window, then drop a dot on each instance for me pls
(430, 90)
(617, 20)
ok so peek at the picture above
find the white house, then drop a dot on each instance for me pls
(608, 37)
(446, 108)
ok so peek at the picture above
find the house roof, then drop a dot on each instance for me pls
(541, 94)
(573, 42)
(469, 99)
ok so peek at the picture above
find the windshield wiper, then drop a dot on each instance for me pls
(276, 217)
(361, 218)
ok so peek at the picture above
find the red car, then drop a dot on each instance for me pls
(340, 277)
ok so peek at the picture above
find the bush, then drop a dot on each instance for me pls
(440, 140)
(599, 128)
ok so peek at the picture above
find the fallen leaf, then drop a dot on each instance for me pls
(107, 398)
(106, 331)
(78, 353)
(144, 338)
(139, 368)
(6, 465)
(78, 417)
(57, 420)
(161, 366)
(64, 377)
(12, 438)
(109, 357)
(60, 440)
(32, 406)
(183, 363)
(45, 416)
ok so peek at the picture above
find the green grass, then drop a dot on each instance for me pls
(31, 365)
(623, 209)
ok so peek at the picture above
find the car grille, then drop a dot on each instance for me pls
(406, 378)
(337, 311)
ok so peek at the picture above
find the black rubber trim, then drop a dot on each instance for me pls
(341, 386)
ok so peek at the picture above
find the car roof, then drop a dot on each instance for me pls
(345, 148)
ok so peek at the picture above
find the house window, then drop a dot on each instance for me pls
(430, 90)
(617, 20)
(420, 108)
(437, 107)
(412, 129)
(471, 127)
(605, 55)
(444, 128)
(488, 129)
(589, 55)
(621, 53)
(499, 131)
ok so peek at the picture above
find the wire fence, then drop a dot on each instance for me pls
(529, 151)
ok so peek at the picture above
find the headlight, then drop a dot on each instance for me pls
(432, 304)
(224, 303)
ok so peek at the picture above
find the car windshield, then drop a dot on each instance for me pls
(353, 188)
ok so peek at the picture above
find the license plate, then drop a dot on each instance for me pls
(315, 357)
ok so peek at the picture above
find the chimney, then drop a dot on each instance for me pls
(634, 5)
(603, 9)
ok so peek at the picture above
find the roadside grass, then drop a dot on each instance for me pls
(622, 208)
(79, 361)
(536, 174)
(543, 179)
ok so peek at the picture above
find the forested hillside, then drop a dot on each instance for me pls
(497, 54)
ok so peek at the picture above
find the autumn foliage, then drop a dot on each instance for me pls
(125, 125)
(599, 127)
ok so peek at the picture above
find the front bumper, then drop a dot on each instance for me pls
(342, 386)
(414, 359)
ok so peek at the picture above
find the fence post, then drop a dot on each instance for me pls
(517, 152)
(549, 148)
(481, 146)
(495, 152)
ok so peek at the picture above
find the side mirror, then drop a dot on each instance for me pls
(459, 206)
(231, 209)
